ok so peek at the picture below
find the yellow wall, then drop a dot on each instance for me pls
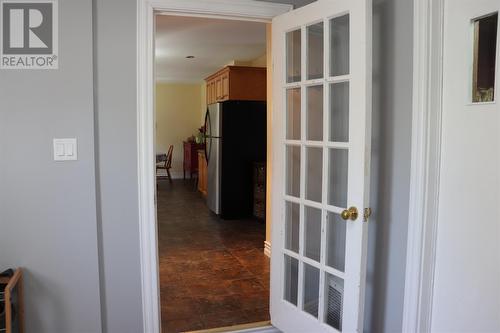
(177, 117)
(260, 61)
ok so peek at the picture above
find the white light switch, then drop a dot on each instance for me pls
(68, 149)
(65, 150)
(59, 149)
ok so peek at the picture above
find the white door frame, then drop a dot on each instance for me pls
(425, 164)
(245, 10)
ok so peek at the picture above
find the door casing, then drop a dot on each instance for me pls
(246, 10)
(428, 36)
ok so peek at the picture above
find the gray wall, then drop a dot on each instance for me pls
(48, 219)
(48, 209)
(391, 140)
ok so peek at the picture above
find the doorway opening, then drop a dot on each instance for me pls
(211, 147)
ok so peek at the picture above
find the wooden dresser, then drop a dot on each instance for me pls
(202, 173)
(191, 158)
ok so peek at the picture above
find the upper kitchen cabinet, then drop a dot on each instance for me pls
(239, 83)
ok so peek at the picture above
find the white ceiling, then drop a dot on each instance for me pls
(213, 42)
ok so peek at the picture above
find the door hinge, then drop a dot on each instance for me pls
(366, 214)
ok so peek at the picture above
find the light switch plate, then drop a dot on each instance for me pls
(65, 150)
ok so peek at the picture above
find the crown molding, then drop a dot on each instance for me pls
(178, 81)
(229, 9)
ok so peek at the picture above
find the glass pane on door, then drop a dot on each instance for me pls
(291, 279)
(293, 56)
(293, 171)
(315, 51)
(311, 290)
(292, 226)
(314, 183)
(335, 241)
(337, 182)
(312, 233)
(293, 114)
(314, 113)
(339, 112)
(339, 45)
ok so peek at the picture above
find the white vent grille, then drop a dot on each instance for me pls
(335, 305)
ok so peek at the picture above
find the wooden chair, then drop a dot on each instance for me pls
(164, 162)
(12, 314)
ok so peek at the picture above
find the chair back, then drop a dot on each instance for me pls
(168, 164)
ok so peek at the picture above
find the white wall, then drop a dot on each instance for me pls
(466, 286)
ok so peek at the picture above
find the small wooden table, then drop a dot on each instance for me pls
(202, 173)
(191, 157)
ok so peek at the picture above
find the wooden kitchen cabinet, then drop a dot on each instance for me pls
(212, 90)
(239, 83)
(218, 88)
(225, 85)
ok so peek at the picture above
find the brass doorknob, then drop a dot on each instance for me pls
(350, 214)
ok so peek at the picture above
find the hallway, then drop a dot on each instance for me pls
(213, 273)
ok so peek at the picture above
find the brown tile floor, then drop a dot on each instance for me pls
(213, 273)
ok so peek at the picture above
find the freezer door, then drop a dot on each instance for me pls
(213, 182)
(214, 120)
(213, 149)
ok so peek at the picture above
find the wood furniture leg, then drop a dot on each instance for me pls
(20, 295)
(8, 311)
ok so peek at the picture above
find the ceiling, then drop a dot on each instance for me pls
(213, 42)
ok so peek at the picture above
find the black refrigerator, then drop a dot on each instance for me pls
(236, 137)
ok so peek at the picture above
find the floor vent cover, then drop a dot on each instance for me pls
(335, 302)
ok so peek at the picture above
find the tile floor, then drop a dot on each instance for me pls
(213, 273)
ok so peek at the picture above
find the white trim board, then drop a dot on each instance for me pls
(265, 329)
(425, 165)
(175, 175)
(187, 81)
(246, 10)
(228, 9)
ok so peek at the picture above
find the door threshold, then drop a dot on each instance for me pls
(261, 326)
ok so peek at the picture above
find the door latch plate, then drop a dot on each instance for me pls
(367, 212)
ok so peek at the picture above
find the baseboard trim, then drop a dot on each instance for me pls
(259, 327)
(267, 248)
(175, 175)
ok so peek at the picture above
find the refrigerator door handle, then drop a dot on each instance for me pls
(209, 136)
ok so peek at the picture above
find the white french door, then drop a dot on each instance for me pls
(321, 151)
